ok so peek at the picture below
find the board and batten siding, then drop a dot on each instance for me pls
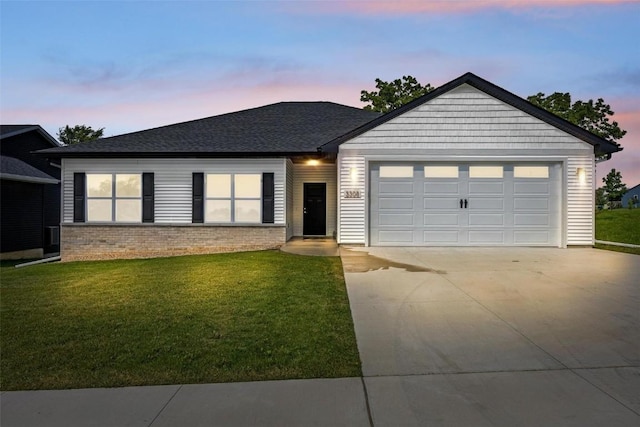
(466, 124)
(303, 173)
(172, 181)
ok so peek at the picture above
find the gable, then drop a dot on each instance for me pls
(462, 118)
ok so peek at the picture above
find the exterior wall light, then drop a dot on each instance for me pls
(313, 162)
(582, 176)
(353, 174)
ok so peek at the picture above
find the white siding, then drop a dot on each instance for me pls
(289, 197)
(352, 211)
(580, 201)
(466, 124)
(321, 173)
(173, 180)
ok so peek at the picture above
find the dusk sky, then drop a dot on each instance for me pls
(133, 65)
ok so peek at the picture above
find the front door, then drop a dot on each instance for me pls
(314, 221)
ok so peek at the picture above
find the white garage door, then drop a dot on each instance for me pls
(502, 204)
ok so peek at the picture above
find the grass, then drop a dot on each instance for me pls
(196, 319)
(619, 225)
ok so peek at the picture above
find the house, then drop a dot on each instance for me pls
(633, 194)
(29, 194)
(469, 164)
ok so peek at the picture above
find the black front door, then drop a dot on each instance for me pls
(315, 210)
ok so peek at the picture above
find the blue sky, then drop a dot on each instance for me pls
(132, 65)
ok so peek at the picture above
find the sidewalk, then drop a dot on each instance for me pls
(317, 402)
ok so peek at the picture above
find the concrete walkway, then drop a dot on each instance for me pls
(450, 337)
(315, 246)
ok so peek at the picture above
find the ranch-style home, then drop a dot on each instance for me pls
(469, 164)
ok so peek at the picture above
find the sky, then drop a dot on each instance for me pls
(134, 65)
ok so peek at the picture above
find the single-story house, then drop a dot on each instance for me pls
(468, 164)
(633, 195)
(29, 194)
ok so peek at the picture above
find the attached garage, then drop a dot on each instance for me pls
(468, 164)
(465, 204)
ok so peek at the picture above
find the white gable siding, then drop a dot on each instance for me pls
(466, 124)
(173, 180)
(321, 173)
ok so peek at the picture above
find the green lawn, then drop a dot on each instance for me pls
(194, 319)
(619, 225)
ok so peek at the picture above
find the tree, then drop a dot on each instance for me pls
(614, 188)
(591, 116)
(391, 95)
(601, 200)
(78, 133)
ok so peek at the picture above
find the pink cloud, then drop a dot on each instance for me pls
(401, 7)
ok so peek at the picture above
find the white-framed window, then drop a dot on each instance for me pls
(531, 171)
(441, 171)
(486, 171)
(233, 198)
(396, 171)
(114, 197)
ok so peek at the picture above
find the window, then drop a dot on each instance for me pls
(441, 171)
(531, 171)
(233, 198)
(396, 171)
(112, 196)
(485, 171)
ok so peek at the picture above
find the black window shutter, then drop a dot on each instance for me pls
(198, 198)
(147, 197)
(78, 196)
(268, 198)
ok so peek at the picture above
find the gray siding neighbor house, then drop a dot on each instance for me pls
(633, 195)
(468, 164)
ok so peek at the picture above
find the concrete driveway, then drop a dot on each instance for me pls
(497, 336)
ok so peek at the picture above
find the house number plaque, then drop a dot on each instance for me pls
(352, 194)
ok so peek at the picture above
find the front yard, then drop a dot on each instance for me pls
(195, 319)
(619, 225)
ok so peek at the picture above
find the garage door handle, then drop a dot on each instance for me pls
(460, 203)
(466, 203)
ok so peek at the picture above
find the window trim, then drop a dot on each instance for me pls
(113, 198)
(232, 198)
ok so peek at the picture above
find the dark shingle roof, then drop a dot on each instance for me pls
(7, 131)
(282, 128)
(17, 170)
(601, 146)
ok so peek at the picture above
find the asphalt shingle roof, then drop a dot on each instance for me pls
(285, 127)
(12, 168)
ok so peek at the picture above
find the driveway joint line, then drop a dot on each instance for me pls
(164, 406)
(366, 401)
(574, 371)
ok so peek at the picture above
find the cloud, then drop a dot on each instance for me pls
(406, 7)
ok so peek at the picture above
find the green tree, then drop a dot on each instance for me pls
(601, 200)
(589, 115)
(614, 188)
(391, 95)
(78, 133)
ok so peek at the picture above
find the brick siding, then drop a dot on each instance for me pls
(96, 242)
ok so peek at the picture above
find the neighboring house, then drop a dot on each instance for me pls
(632, 194)
(29, 194)
(468, 164)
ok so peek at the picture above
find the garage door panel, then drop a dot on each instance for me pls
(440, 219)
(530, 203)
(530, 219)
(392, 237)
(486, 219)
(395, 219)
(484, 237)
(395, 188)
(530, 188)
(486, 203)
(491, 188)
(395, 203)
(436, 203)
(441, 187)
(441, 236)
